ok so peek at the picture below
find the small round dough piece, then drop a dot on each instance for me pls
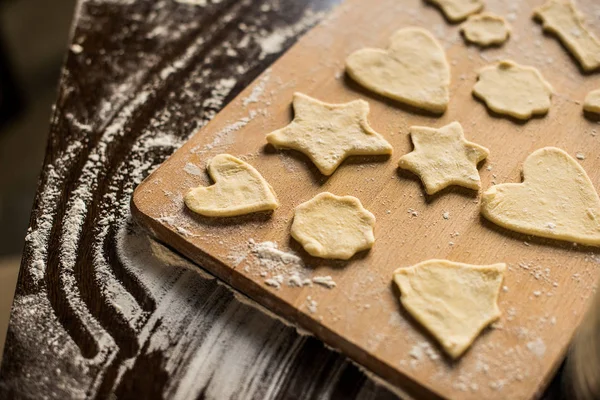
(485, 29)
(592, 102)
(330, 226)
(511, 89)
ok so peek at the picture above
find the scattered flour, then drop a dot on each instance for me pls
(537, 347)
(326, 281)
(192, 169)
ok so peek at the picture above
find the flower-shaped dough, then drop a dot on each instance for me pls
(330, 226)
(511, 89)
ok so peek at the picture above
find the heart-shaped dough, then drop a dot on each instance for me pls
(556, 200)
(413, 70)
(238, 189)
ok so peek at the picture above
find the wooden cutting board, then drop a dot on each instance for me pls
(547, 284)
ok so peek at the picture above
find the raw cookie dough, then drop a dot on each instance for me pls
(328, 133)
(413, 70)
(485, 29)
(556, 200)
(457, 10)
(592, 102)
(443, 157)
(238, 189)
(453, 301)
(330, 226)
(511, 89)
(562, 19)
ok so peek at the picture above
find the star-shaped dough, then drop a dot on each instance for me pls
(443, 157)
(328, 133)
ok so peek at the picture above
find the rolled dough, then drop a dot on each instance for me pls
(561, 18)
(443, 157)
(453, 301)
(330, 226)
(485, 29)
(328, 133)
(413, 70)
(556, 200)
(592, 102)
(238, 189)
(458, 10)
(511, 89)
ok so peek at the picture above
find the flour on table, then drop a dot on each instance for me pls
(592, 102)
(193, 169)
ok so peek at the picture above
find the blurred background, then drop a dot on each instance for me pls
(33, 42)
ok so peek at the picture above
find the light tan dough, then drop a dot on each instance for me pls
(238, 189)
(330, 226)
(443, 157)
(328, 133)
(511, 89)
(412, 70)
(453, 301)
(458, 10)
(486, 29)
(556, 200)
(561, 18)
(592, 102)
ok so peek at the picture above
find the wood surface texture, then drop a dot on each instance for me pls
(547, 284)
(102, 311)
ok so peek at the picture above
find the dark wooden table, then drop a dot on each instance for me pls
(102, 311)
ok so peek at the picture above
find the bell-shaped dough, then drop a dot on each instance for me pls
(453, 301)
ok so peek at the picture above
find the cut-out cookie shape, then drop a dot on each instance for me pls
(453, 301)
(328, 133)
(330, 226)
(457, 10)
(592, 102)
(556, 200)
(238, 189)
(511, 89)
(443, 157)
(485, 29)
(562, 19)
(413, 70)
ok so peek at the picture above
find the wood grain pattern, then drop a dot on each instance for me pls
(547, 284)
